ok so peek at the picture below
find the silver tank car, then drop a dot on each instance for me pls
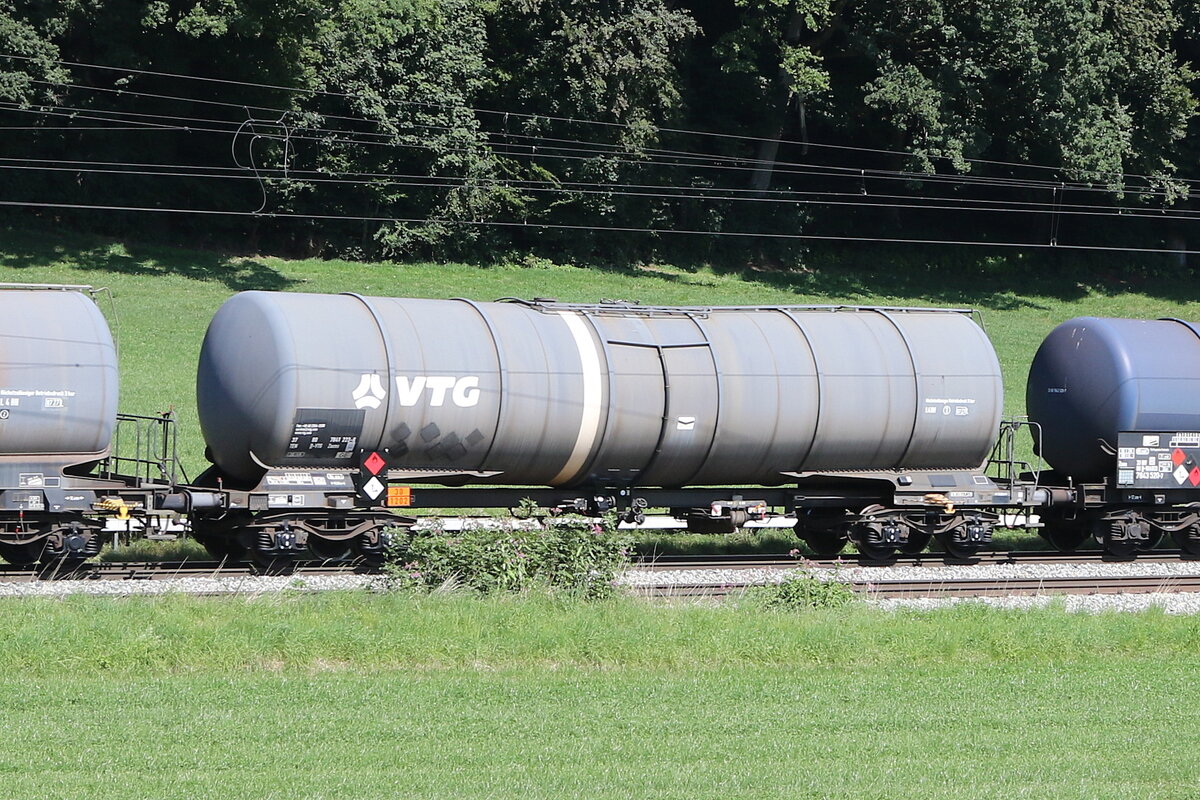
(58, 376)
(555, 394)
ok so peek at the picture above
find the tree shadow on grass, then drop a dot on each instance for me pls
(974, 277)
(980, 278)
(24, 250)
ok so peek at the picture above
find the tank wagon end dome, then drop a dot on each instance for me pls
(58, 374)
(1093, 378)
(245, 380)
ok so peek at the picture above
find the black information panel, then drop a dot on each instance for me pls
(1159, 460)
(325, 434)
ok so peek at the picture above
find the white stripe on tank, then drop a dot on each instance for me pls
(589, 421)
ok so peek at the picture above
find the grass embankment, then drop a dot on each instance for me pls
(359, 696)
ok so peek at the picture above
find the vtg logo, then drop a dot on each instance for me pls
(370, 392)
(463, 392)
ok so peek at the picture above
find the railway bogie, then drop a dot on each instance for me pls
(276, 537)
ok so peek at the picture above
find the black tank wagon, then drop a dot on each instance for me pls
(1117, 405)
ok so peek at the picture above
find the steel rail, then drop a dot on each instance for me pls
(167, 570)
(785, 561)
(960, 587)
(162, 570)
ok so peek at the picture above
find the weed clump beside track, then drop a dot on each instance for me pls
(576, 557)
(804, 588)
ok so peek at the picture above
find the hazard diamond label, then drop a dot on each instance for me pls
(374, 463)
(374, 487)
(1172, 461)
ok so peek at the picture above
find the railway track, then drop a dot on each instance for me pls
(785, 561)
(962, 587)
(160, 570)
(941, 583)
(166, 570)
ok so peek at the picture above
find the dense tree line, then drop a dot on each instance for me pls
(452, 127)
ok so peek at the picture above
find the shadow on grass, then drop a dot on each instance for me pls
(28, 250)
(974, 277)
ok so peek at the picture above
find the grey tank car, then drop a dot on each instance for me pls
(561, 395)
(59, 475)
(311, 403)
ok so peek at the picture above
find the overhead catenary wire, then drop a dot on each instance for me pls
(534, 116)
(580, 145)
(611, 188)
(536, 147)
(596, 147)
(195, 125)
(599, 228)
(803, 198)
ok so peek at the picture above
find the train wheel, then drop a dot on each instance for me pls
(328, 549)
(222, 548)
(960, 551)
(59, 566)
(1188, 540)
(267, 564)
(876, 552)
(916, 543)
(220, 536)
(825, 544)
(376, 545)
(1156, 536)
(24, 553)
(1108, 534)
(867, 537)
(1064, 536)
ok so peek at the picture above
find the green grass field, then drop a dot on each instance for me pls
(360, 695)
(367, 696)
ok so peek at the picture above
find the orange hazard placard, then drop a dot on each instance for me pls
(398, 496)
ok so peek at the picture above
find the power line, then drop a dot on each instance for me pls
(73, 128)
(804, 170)
(580, 145)
(571, 120)
(860, 201)
(594, 228)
